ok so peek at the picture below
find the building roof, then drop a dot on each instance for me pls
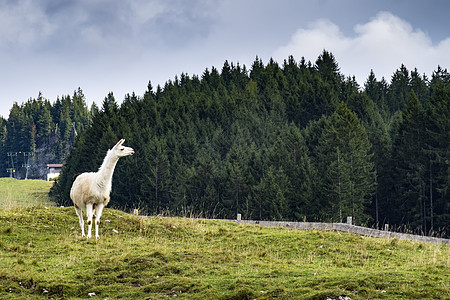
(54, 165)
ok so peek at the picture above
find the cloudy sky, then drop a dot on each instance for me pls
(56, 46)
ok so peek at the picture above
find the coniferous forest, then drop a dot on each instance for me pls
(291, 141)
(39, 132)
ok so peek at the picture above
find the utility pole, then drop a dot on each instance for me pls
(12, 170)
(26, 165)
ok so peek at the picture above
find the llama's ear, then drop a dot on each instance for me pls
(119, 143)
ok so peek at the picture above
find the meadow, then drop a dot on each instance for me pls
(43, 256)
(24, 193)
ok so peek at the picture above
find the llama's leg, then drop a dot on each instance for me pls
(98, 214)
(89, 214)
(80, 216)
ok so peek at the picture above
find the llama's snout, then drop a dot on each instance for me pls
(125, 151)
(130, 151)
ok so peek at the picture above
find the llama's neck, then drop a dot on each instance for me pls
(106, 170)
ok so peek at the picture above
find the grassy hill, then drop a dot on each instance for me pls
(24, 193)
(42, 256)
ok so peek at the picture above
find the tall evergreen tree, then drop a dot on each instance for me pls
(378, 93)
(328, 69)
(399, 89)
(289, 156)
(419, 85)
(346, 163)
(157, 177)
(272, 195)
(438, 151)
(410, 164)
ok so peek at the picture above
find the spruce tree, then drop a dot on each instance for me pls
(399, 89)
(345, 161)
(437, 150)
(272, 195)
(410, 168)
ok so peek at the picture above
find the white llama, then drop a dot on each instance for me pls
(90, 191)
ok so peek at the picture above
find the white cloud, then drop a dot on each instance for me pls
(382, 44)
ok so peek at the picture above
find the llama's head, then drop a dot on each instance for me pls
(120, 150)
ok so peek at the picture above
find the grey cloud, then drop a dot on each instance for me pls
(91, 28)
(178, 23)
(22, 25)
(156, 23)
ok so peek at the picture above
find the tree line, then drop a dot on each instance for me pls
(40, 132)
(291, 141)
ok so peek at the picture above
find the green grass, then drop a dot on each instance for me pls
(42, 256)
(24, 193)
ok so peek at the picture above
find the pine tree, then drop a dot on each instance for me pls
(328, 69)
(346, 163)
(202, 189)
(339, 187)
(370, 116)
(272, 195)
(399, 89)
(290, 154)
(319, 97)
(44, 124)
(79, 113)
(410, 168)
(437, 150)
(156, 186)
(378, 93)
(236, 169)
(419, 85)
